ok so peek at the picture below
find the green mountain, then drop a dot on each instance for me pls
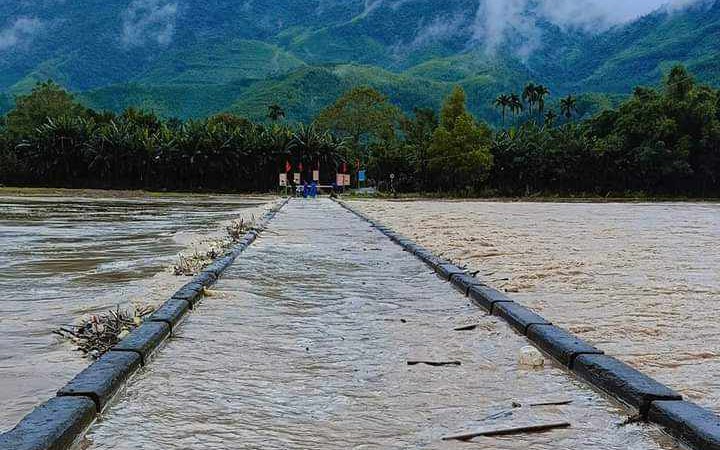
(191, 59)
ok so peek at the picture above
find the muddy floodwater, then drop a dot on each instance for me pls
(639, 280)
(304, 344)
(65, 257)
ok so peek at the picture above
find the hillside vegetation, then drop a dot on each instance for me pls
(191, 59)
(662, 141)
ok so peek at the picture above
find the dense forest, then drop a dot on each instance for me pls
(663, 141)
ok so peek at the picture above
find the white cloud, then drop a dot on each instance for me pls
(495, 22)
(20, 32)
(149, 21)
(500, 21)
(598, 15)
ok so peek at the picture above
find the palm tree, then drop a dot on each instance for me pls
(550, 118)
(516, 105)
(530, 95)
(568, 106)
(540, 93)
(503, 102)
(275, 112)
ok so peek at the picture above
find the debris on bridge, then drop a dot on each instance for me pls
(192, 264)
(96, 334)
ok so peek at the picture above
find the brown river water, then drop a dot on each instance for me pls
(639, 280)
(65, 257)
(304, 344)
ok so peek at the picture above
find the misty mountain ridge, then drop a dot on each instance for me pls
(192, 59)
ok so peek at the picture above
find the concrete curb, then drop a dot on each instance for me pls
(518, 316)
(447, 271)
(103, 379)
(59, 422)
(560, 344)
(54, 425)
(464, 282)
(693, 424)
(655, 402)
(614, 376)
(144, 340)
(487, 297)
(171, 312)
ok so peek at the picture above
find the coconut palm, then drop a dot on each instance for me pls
(313, 146)
(55, 151)
(503, 102)
(568, 106)
(529, 95)
(540, 93)
(516, 105)
(550, 118)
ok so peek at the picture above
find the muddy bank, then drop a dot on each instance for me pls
(65, 257)
(639, 280)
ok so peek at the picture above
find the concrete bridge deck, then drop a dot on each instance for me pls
(305, 343)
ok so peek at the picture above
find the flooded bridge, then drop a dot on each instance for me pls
(325, 334)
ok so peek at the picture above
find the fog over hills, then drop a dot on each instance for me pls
(184, 58)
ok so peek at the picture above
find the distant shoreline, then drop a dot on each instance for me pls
(122, 193)
(114, 193)
(533, 199)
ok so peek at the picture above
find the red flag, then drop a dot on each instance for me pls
(288, 167)
(344, 167)
(300, 167)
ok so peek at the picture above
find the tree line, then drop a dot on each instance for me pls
(660, 141)
(51, 140)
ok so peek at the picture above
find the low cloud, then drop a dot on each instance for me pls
(149, 22)
(493, 23)
(438, 28)
(599, 15)
(501, 21)
(19, 32)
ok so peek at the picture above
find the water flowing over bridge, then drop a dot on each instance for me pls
(325, 334)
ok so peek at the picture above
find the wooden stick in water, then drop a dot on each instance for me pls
(435, 363)
(543, 403)
(506, 431)
(467, 327)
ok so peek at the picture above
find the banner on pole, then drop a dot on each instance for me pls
(316, 175)
(283, 180)
(296, 178)
(346, 181)
(361, 175)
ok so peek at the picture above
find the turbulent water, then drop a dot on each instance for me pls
(305, 343)
(640, 280)
(61, 258)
